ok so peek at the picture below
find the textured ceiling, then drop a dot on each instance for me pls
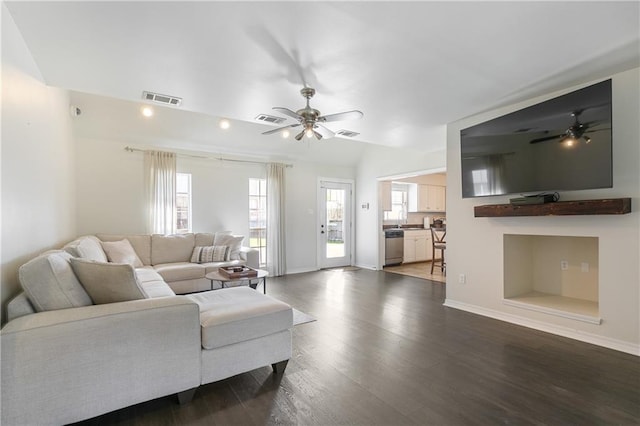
(411, 67)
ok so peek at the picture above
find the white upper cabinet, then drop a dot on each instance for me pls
(433, 198)
(385, 196)
(427, 198)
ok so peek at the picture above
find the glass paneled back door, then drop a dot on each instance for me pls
(335, 224)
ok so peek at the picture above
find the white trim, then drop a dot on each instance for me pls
(380, 213)
(413, 174)
(369, 267)
(301, 271)
(615, 344)
(551, 311)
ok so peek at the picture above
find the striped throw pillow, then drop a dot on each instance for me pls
(209, 254)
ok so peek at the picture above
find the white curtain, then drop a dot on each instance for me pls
(276, 253)
(160, 187)
(495, 174)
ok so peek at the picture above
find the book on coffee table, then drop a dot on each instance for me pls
(237, 272)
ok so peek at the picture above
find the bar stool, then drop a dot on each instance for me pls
(438, 243)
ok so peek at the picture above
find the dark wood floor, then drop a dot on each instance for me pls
(385, 351)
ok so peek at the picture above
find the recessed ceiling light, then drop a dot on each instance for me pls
(285, 134)
(224, 124)
(147, 111)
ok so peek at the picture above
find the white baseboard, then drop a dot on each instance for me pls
(304, 270)
(301, 271)
(615, 344)
(370, 267)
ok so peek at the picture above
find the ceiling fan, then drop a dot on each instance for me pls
(574, 133)
(311, 120)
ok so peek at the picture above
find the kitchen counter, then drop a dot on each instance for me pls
(407, 227)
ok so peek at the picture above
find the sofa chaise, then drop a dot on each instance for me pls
(66, 359)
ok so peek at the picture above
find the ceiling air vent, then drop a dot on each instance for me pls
(347, 133)
(270, 119)
(162, 99)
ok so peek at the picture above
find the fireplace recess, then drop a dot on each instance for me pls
(555, 275)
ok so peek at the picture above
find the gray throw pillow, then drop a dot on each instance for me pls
(108, 282)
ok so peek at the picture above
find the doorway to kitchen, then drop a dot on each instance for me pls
(412, 204)
(335, 223)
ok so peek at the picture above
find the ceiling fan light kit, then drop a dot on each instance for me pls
(574, 133)
(310, 119)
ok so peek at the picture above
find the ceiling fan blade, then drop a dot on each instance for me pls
(548, 138)
(270, 132)
(326, 133)
(340, 116)
(287, 111)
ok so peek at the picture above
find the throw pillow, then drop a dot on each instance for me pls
(121, 252)
(209, 254)
(234, 242)
(108, 282)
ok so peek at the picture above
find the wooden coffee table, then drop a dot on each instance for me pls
(224, 280)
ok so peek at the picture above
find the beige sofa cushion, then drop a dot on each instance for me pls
(204, 239)
(171, 248)
(87, 247)
(180, 271)
(140, 243)
(108, 282)
(152, 283)
(238, 314)
(121, 252)
(49, 282)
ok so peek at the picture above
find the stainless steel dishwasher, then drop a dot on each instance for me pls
(393, 246)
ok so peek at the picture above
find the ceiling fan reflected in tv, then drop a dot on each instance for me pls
(562, 144)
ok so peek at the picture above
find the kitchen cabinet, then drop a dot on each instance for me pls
(409, 249)
(385, 196)
(417, 246)
(427, 198)
(431, 198)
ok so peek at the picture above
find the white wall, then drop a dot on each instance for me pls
(38, 182)
(111, 190)
(378, 162)
(475, 245)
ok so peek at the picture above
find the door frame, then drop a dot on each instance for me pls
(381, 214)
(319, 203)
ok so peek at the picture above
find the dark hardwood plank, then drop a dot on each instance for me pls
(384, 350)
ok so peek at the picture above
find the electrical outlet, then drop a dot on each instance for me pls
(462, 279)
(584, 266)
(564, 265)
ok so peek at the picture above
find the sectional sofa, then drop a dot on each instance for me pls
(77, 345)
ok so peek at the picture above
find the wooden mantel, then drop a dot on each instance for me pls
(560, 208)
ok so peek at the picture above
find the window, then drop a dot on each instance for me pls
(258, 217)
(480, 182)
(335, 212)
(183, 202)
(399, 200)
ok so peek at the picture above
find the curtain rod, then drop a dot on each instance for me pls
(129, 149)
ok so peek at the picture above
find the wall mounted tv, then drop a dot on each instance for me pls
(558, 145)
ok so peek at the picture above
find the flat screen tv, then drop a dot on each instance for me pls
(561, 144)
